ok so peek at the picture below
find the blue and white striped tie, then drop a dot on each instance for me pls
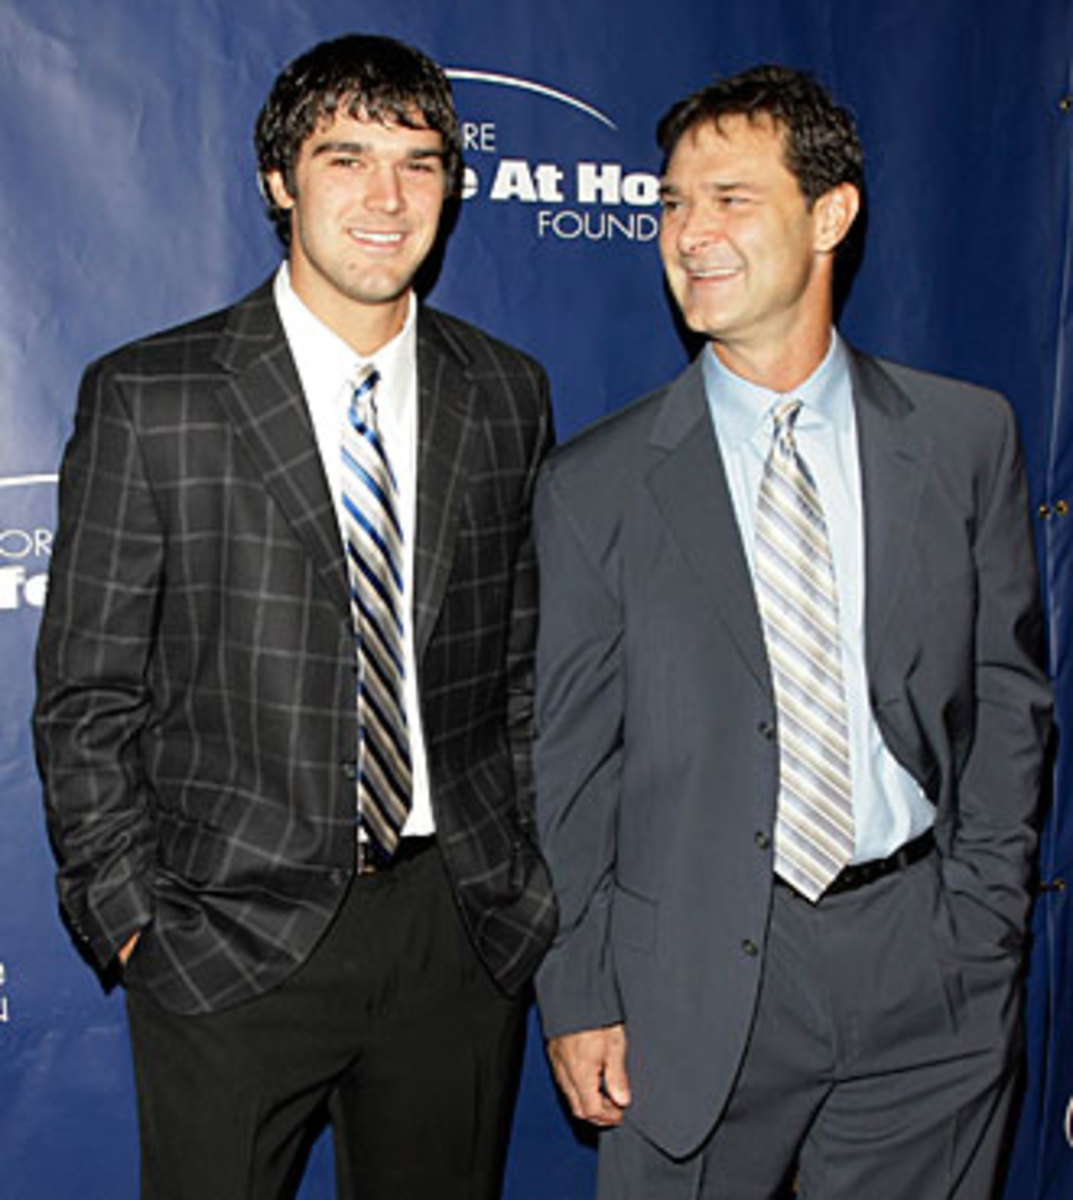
(795, 584)
(374, 549)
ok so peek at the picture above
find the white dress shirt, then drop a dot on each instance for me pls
(328, 368)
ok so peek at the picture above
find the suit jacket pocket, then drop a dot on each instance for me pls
(976, 932)
(633, 920)
(191, 851)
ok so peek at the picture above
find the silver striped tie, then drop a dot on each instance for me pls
(795, 584)
(374, 548)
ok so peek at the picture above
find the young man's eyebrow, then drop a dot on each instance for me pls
(348, 147)
(339, 148)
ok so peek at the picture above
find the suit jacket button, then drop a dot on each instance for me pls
(762, 839)
(750, 947)
(766, 729)
(350, 771)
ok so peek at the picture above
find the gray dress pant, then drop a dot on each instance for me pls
(882, 1062)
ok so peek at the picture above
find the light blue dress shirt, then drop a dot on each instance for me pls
(888, 806)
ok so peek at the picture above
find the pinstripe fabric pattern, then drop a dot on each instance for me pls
(196, 725)
(799, 607)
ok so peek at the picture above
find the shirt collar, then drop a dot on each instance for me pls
(740, 408)
(321, 354)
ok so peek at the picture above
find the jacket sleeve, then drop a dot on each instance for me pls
(93, 698)
(578, 759)
(523, 625)
(998, 789)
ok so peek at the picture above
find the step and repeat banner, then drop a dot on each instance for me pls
(129, 203)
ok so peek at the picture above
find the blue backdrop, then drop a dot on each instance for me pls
(129, 203)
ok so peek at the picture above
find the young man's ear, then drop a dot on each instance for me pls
(277, 189)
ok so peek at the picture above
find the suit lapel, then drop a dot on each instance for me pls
(445, 398)
(893, 457)
(690, 489)
(263, 396)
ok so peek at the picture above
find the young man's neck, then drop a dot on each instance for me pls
(365, 327)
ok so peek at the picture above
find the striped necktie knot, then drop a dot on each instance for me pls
(785, 417)
(363, 397)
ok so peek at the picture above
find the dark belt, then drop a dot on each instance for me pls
(406, 851)
(858, 875)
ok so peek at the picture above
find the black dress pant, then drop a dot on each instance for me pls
(392, 1029)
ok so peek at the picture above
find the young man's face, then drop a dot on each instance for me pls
(365, 209)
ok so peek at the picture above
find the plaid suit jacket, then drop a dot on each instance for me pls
(195, 721)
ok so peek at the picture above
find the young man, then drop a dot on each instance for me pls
(790, 718)
(285, 681)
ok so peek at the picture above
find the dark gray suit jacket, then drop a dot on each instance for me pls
(656, 760)
(196, 724)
